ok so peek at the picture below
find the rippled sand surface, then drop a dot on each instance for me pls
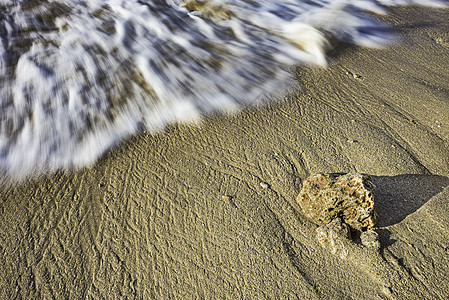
(208, 210)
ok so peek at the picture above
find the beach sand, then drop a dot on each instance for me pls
(208, 211)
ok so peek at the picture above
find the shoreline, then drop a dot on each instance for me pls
(209, 211)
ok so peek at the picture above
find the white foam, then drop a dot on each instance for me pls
(77, 77)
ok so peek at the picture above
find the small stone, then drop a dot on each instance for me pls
(387, 291)
(355, 76)
(325, 197)
(264, 185)
(370, 239)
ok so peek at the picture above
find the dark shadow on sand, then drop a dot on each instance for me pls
(398, 196)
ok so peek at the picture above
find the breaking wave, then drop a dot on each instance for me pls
(78, 76)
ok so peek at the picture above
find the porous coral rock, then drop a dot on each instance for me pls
(370, 239)
(325, 197)
(334, 236)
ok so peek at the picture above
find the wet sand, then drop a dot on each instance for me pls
(207, 212)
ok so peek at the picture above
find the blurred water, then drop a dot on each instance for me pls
(78, 76)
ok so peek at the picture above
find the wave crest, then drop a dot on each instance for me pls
(79, 76)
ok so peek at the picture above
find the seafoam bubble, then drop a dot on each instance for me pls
(77, 77)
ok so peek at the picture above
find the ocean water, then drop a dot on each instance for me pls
(79, 76)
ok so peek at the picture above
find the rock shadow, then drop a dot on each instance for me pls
(398, 196)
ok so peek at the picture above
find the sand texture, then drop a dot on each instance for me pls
(210, 212)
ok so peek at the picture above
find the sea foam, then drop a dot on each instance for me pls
(79, 76)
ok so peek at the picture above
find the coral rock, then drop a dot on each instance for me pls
(370, 239)
(335, 237)
(325, 197)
